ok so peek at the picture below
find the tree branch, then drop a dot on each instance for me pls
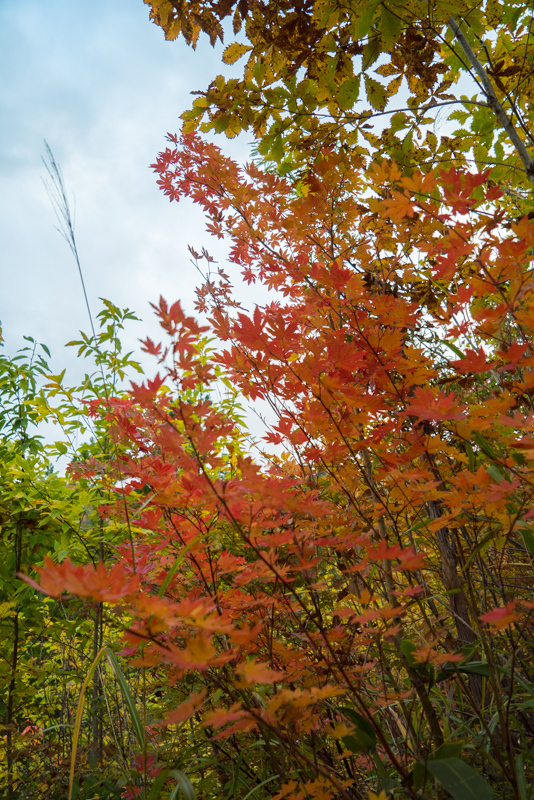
(493, 102)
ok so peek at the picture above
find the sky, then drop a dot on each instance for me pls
(99, 82)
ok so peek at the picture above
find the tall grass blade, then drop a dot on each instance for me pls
(157, 786)
(183, 783)
(172, 572)
(255, 788)
(125, 689)
(128, 699)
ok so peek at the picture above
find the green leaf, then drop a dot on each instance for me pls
(157, 786)
(471, 456)
(376, 93)
(419, 774)
(407, 647)
(521, 782)
(390, 28)
(398, 121)
(451, 346)
(448, 750)
(511, 15)
(459, 779)
(485, 446)
(365, 21)
(495, 473)
(125, 689)
(474, 668)
(407, 143)
(387, 783)
(358, 742)
(371, 51)
(528, 538)
(363, 740)
(468, 650)
(348, 92)
(254, 788)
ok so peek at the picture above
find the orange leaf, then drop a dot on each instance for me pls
(222, 716)
(431, 404)
(473, 362)
(253, 672)
(500, 618)
(199, 654)
(84, 581)
(185, 710)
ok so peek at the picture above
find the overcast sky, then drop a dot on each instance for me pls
(98, 81)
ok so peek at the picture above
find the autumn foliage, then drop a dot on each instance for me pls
(336, 602)
(355, 598)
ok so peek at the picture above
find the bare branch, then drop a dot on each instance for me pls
(493, 102)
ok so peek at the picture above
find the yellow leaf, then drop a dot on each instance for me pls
(494, 12)
(394, 85)
(234, 52)
(172, 31)
(6, 609)
(341, 730)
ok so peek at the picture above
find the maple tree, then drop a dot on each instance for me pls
(356, 607)
(47, 646)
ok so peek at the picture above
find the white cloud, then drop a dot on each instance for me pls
(98, 81)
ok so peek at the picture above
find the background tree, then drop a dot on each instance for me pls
(47, 646)
(379, 79)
